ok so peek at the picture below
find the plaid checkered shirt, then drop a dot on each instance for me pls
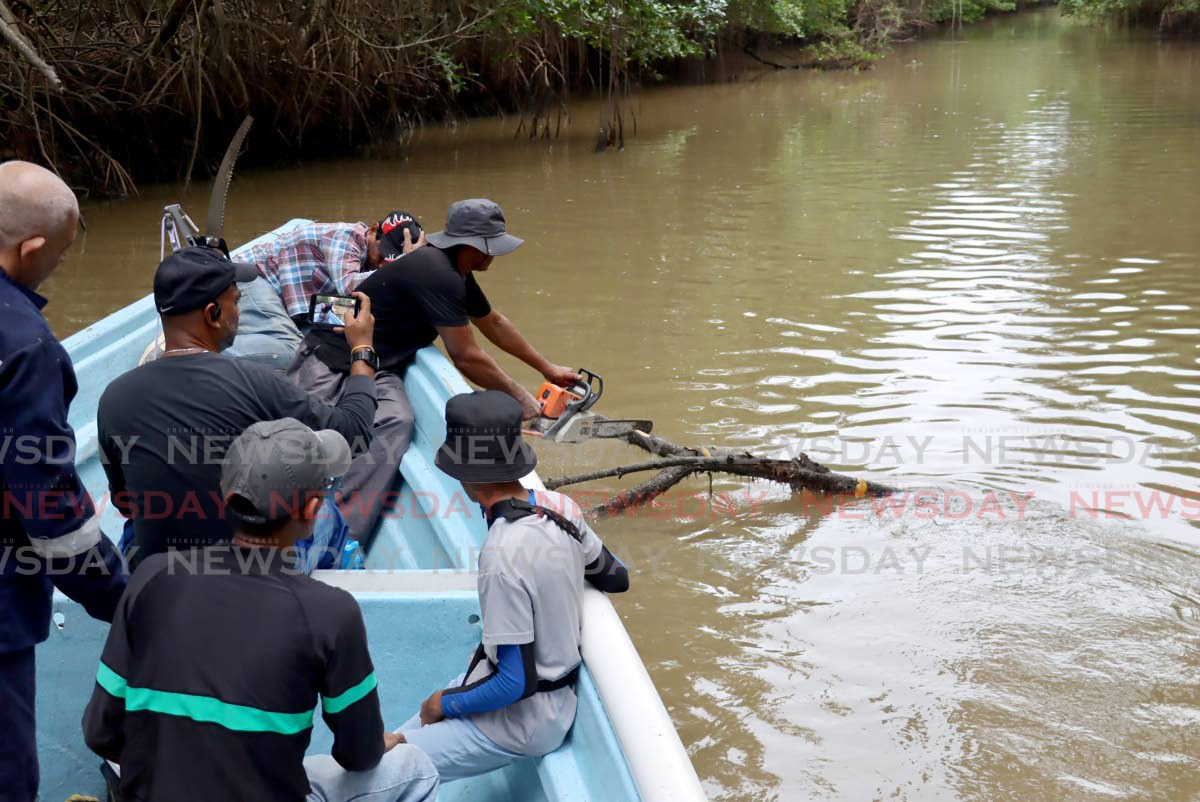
(313, 258)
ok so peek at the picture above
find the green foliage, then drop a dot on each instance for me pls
(805, 19)
(456, 75)
(348, 80)
(638, 31)
(1097, 7)
(658, 30)
(840, 54)
(1166, 12)
(784, 17)
(648, 31)
(965, 10)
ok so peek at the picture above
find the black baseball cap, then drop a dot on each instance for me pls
(193, 277)
(391, 234)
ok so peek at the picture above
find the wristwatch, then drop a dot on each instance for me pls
(365, 353)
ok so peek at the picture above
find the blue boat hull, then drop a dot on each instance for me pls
(420, 604)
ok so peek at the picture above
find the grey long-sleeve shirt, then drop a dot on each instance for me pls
(164, 429)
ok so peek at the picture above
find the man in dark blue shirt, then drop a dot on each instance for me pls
(49, 532)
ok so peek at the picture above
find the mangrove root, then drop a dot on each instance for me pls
(750, 52)
(12, 34)
(675, 463)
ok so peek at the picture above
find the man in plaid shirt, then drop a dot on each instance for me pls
(309, 259)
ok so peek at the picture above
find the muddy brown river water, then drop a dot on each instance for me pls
(974, 270)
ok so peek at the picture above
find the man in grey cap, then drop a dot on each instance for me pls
(427, 294)
(217, 656)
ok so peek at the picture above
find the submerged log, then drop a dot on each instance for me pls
(677, 462)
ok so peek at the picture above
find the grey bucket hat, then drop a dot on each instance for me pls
(272, 465)
(477, 222)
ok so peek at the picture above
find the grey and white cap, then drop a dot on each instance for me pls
(477, 222)
(272, 466)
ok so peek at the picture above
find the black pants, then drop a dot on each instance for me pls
(18, 733)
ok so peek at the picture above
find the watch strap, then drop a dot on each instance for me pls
(365, 353)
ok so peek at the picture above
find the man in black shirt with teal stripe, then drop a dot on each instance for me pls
(217, 656)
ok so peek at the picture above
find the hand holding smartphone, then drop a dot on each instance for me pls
(328, 311)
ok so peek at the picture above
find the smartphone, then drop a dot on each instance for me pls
(327, 311)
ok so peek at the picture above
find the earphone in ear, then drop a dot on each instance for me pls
(215, 314)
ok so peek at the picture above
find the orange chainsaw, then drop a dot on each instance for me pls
(565, 415)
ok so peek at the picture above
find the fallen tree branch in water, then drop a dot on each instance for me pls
(679, 462)
(644, 493)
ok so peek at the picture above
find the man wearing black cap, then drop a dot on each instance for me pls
(517, 698)
(218, 656)
(309, 259)
(431, 292)
(163, 427)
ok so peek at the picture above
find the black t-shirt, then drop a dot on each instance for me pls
(164, 429)
(228, 650)
(410, 298)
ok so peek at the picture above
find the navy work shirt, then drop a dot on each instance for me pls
(46, 516)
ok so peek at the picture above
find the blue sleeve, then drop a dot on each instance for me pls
(514, 679)
(53, 507)
(46, 495)
(95, 580)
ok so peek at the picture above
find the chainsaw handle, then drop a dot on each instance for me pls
(589, 390)
(560, 404)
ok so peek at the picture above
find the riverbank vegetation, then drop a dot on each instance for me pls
(1169, 16)
(112, 92)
